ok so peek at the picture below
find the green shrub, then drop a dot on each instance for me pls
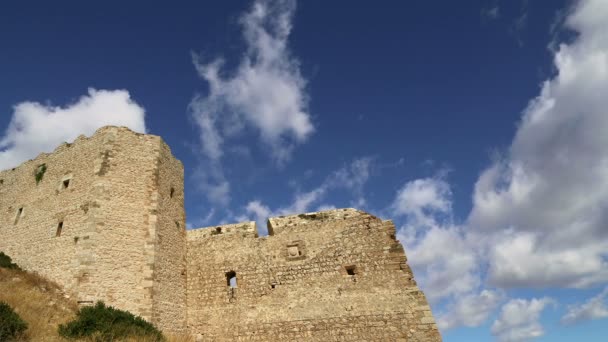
(40, 170)
(7, 262)
(11, 325)
(105, 323)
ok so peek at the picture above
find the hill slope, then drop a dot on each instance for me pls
(41, 303)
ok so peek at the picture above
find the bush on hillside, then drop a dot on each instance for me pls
(11, 325)
(105, 323)
(7, 262)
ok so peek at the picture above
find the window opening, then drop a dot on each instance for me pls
(172, 192)
(1, 181)
(59, 229)
(19, 213)
(66, 183)
(231, 279)
(218, 230)
(351, 270)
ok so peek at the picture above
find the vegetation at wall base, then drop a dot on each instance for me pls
(7, 262)
(105, 323)
(11, 325)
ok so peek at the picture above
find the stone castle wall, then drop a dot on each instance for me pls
(107, 222)
(328, 276)
(99, 235)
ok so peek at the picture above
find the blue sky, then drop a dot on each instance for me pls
(477, 126)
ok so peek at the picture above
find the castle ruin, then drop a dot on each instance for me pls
(104, 217)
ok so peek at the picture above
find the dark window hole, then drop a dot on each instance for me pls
(231, 279)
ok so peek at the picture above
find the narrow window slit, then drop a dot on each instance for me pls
(59, 229)
(172, 192)
(19, 213)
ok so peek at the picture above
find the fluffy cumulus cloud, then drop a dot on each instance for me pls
(36, 127)
(594, 308)
(266, 92)
(444, 257)
(519, 319)
(471, 310)
(551, 189)
(421, 198)
(539, 213)
(436, 248)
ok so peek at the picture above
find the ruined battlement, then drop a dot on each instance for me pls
(104, 217)
(283, 223)
(244, 229)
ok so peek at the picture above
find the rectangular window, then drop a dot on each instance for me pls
(66, 183)
(231, 279)
(351, 270)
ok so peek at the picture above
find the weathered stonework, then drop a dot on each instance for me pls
(107, 222)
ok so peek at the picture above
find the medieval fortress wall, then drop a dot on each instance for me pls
(334, 275)
(107, 221)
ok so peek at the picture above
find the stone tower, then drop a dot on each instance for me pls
(104, 218)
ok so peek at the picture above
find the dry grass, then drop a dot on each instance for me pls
(43, 305)
(38, 301)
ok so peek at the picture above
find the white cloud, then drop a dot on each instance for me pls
(210, 180)
(446, 259)
(539, 214)
(470, 310)
(445, 263)
(595, 308)
(266, 92)
(422, 197)
(550, 192)
(491, 12)
(351, 177)
(260, 212)
(36, 128)
(519, 320)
